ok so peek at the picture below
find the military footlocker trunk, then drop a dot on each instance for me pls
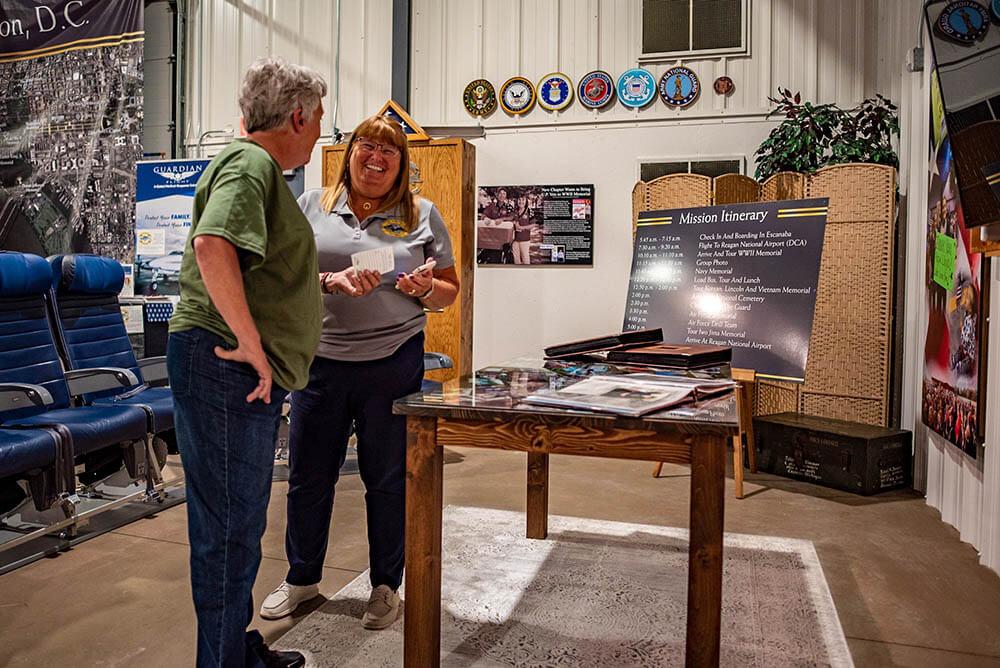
(845, 455)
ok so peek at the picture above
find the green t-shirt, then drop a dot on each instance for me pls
(242, 197)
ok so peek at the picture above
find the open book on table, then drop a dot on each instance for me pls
(632, 395)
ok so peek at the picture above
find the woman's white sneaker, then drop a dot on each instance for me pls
(282, 601)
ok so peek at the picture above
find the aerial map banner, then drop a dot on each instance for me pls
(70, 125)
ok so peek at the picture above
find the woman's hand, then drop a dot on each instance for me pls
(351, 283)
(417, 283)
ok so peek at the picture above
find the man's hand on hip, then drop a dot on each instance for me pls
(255, 357)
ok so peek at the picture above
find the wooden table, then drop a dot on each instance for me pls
(486, 411)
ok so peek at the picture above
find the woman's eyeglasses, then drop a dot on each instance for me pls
(387, 150)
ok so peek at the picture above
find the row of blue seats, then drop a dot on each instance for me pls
(73, 397)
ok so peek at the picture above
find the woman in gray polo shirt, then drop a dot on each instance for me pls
(370, 353)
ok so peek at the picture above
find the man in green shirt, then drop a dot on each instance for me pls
(243, 336)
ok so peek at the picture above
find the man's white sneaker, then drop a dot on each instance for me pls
(282, 601)
(383, 608)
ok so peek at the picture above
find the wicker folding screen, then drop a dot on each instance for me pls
(847, 374)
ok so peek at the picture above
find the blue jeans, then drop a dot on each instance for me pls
(339, 395)
(227, 449)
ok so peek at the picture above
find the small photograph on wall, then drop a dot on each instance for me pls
(535, 225)
(955, 279)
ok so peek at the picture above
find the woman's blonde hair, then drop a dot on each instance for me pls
(381, 130)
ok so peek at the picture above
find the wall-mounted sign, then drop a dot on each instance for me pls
(535, 225)
(963, 21)
(596, 89)
(479, 98)
(679, 87)
(724, 86)
(517, 96)
(636, 88)
(555, 91)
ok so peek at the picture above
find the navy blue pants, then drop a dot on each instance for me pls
(340, 394)
(227, 449)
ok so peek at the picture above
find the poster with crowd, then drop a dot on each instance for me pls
(956, 280)
(70, 125)
(535, 225)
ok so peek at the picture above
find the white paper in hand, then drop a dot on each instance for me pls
(378, 259)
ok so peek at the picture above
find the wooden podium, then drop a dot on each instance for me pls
(443, 171)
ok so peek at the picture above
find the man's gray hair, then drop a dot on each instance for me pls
(273, 89)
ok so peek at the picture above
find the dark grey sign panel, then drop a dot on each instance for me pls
(738, 275)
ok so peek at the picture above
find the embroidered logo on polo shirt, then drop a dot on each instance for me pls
(394, 228)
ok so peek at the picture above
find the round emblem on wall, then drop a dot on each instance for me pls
(995, 10)
(555, 91)
(679, 87)
(597, 88)
(636, 88)
(724, 86)
(517, 95)
(964, 21)
(479, 98)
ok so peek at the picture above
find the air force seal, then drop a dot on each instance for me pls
(517, 95)
(479, 98)
(555, 91)
(964, 21)
(636, 88)
(679, 86)
(597, 88)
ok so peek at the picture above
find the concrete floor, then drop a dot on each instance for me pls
(908, 592)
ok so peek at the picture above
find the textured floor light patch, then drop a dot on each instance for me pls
(595, 593)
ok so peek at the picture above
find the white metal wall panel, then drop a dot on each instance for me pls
(830, 51)
(225, 37)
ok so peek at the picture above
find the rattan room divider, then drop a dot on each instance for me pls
(850, 349)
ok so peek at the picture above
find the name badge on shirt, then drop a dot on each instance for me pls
(394, 228)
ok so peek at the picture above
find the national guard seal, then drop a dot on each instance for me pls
(555, 91)
(479, 98)
(517, 95)
(679, 87)
(597, 88)
(964, 21)
(636, 88)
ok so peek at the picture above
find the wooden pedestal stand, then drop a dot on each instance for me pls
(744, 406)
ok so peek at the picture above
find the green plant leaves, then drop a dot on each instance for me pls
(812, 136)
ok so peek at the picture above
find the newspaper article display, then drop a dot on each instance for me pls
(539, 225)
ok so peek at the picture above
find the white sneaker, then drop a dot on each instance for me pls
(282, 601)
(383, 608)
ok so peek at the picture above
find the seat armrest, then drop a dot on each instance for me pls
(98, 379)
(437, 361)
(154, 370)
(18, 395)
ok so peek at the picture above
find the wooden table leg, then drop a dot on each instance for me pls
(738, 465)
(704, 608)
(538, 495)
(424, 486)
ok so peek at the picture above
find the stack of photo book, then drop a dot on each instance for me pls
(631, 395)
(645, 347)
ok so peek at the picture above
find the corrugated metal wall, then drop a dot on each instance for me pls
(227, 35)
(830, 51)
